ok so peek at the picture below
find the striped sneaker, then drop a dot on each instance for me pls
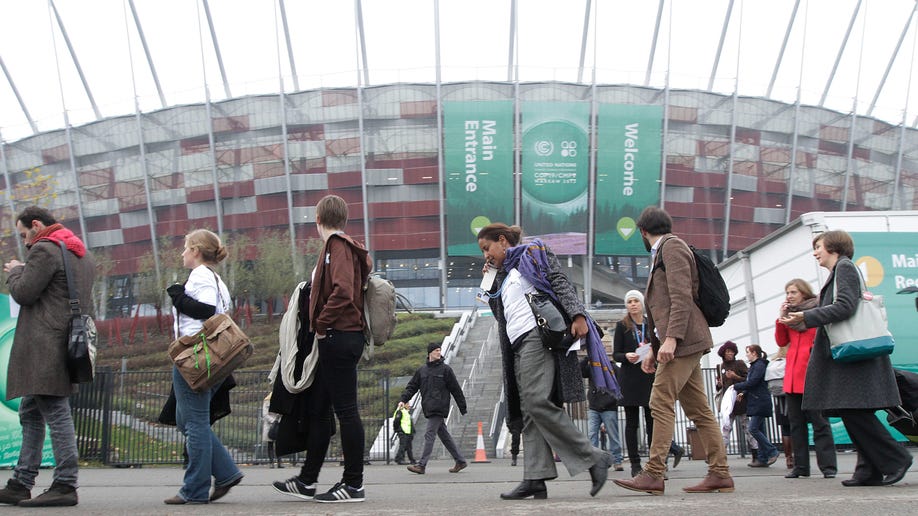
(295, 487)
(342, 492)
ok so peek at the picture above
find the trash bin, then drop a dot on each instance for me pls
(694, 440)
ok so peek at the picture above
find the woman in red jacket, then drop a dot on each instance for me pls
(799, 341)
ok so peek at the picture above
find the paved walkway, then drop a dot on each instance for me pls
(391, 490)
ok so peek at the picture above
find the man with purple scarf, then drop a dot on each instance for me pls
(539, 381)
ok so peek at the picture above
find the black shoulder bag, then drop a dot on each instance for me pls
(81, 339)
(552, 322)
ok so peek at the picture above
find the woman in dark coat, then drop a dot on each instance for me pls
(853, 391)
(635, 383)
(754, 390)
(730, 371)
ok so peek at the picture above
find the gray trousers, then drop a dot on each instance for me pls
(34, 413)
(546, 426)
(436, 426)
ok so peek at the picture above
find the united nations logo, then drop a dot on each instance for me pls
(544, 148)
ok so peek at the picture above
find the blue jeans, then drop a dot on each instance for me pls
(610, 418)
(34, 412)
(207, 457)
(757, 429)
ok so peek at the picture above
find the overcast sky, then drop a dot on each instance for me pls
(474, 40)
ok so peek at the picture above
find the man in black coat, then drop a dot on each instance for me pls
(437, 382)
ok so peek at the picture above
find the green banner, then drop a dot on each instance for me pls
(478, 157)
(555, 173)
(627, 174)
(889, 262)
(10, 430)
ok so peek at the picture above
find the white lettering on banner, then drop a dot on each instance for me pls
(472, 146)
(901, 261)
(631, 150)
(471, 155)
(903, 282)
(487, 139)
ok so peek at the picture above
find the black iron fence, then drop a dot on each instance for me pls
(683, 433)
(116, 418)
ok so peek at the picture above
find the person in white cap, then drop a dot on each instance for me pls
(630, 335)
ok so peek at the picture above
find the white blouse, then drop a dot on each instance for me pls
(201, 286)
(516, 308)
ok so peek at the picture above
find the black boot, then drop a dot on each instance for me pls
(635, 468)
(527, 488)
(58, 495)
(678, 452)
(513, 460)
(14, 492)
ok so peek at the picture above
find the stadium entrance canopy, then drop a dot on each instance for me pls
(64, 62)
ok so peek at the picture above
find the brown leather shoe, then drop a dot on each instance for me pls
(643, 482)
(712, 484)
(221, 491)
(416, 468)
(458, 467)
(175, 500)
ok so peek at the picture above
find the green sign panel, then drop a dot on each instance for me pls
(478, 157)
(10, 430)
(627, 174)
(555, 173)
(889, 262)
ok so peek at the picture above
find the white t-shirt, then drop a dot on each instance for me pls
(516, 309)
(202, 287)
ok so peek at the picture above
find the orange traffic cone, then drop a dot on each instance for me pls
(480, 455)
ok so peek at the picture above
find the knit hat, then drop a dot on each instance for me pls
(634, 294)
(729, 345)
(432, 346)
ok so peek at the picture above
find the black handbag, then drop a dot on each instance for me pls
(81, 338)
(552, 322)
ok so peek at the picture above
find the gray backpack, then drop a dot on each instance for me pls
(379, 303)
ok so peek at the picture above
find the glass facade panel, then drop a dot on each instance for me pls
(379, 150)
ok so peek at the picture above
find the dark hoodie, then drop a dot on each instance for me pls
(436, 381)
(337, 287)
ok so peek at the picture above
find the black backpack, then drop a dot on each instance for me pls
(713, 297)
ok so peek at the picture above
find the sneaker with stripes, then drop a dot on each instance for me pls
(342, 492)
(295, 487)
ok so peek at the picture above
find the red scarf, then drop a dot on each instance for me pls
(58, 233)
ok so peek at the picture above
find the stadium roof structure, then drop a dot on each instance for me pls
(65, 62)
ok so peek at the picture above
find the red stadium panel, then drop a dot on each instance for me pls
(344, 180)
(683, 114)
(418, 109)
(55, 154)
(138, 234)
(338, 97)
(104, 223)
(381, 210)
(231, 124)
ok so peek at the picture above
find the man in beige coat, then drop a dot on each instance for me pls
(680, 336)
(38, 359)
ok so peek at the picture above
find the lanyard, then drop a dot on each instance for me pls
(638, 334)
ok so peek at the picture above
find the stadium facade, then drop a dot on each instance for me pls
(730, 169)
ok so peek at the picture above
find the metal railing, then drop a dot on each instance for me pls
(737, 443)
(116, 418)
